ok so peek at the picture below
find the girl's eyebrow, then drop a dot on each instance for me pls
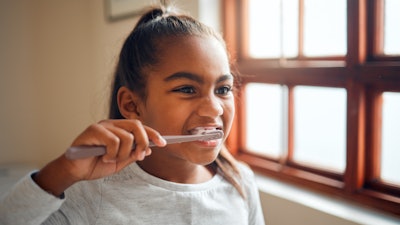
(195, 77)
(185, 75)
(225, 77)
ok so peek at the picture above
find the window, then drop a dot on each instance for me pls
(265, 134)
(391, 43)
(390, 138)
(273, 34)
(291, 29)
(319, 39)
(320, 127)
(320, 99)
(384, 28)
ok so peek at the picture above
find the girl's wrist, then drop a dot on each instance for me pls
(54, 178)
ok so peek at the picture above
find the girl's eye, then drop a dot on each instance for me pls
(185, 90)
(223, 90)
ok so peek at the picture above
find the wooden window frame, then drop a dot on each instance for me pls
(363, 72)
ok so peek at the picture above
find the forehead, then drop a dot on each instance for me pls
(192, 53)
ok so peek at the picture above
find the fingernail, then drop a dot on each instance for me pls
(148, 152)
(143, 155)
(162, 140)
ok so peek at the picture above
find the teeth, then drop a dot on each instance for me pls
(203, 130)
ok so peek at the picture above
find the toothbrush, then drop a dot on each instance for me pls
(80, 152)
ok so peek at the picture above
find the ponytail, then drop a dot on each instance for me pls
(227, 166)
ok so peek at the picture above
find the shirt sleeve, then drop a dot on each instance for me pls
(27, 203)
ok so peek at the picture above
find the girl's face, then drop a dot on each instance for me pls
(190, 89)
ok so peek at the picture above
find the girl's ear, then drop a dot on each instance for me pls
(128, 103)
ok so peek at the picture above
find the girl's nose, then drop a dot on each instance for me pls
(211, 107)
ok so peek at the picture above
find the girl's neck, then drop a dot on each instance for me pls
(176, 170)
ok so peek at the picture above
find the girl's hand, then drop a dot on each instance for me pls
(118, 136)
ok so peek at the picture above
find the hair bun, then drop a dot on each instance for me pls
(154, 13)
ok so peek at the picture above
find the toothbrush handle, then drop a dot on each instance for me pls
(85, 151)
(80, 152)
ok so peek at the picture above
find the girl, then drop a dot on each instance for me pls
(173, 78)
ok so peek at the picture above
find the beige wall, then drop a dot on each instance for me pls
(56, 59)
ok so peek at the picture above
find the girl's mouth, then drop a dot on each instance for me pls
(203, 130)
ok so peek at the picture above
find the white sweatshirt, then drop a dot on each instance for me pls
(134, 197)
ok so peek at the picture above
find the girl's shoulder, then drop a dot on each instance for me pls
(246, 173)
(247, 177)
(245, 169)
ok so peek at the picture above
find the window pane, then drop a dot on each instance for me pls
(391, 27)
(390, 157)
(264, 119)
(325, 28)
(290, 28)
(273, 34)
(320, 127)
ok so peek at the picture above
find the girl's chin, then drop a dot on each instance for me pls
(205, 159)
(199, 152)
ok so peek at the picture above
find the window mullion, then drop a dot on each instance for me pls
(356, 32)
(355, 164)
(301, 29)
(375, 131)
(290, 124)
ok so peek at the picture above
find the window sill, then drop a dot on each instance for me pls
(288, 204)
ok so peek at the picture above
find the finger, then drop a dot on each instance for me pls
(112, 143)
(141, 142)
(155, 137)
(98, 134)
(141, 139)
(126, 124)
(131, 124)
(142, 134)
(126, 140)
